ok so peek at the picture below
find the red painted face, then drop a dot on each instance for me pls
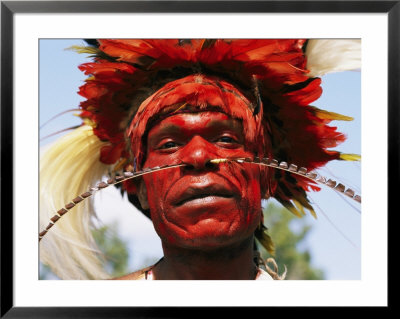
(202, 205)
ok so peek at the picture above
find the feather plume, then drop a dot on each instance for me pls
(350, 157)
(328, 55)
(329, 116)
(67, 168)
(131, 81)
(265, 239)
(84, 49)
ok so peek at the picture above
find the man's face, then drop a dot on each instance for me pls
(202, 205)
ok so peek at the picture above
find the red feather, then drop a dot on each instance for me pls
(286, 127)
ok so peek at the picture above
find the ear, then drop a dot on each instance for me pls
(142, 195)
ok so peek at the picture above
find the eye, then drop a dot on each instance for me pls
(226, 139)
(168, 145)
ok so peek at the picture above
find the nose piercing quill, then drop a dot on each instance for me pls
(292, 168)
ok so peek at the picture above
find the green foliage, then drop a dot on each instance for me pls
(115, 253)
(114, 249)
(279, 221)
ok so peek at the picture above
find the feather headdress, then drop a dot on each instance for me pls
(133, 82)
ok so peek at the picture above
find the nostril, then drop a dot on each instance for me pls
(189, 167)
(210, 165)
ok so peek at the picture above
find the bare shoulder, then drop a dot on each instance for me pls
(137, 275)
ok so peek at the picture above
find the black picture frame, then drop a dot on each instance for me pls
(9, 8)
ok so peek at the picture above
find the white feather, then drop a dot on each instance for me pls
(328, 55)
(67, 169)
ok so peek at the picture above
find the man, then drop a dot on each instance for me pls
(205, 214)
(154, 103)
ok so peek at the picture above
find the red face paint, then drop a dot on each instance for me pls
(203, 205)
(197, 93)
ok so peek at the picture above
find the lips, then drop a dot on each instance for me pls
(202, 192)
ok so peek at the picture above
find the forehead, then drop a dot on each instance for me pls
(194, 93)
(185, 124)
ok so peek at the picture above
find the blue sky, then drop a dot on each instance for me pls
(335, 238)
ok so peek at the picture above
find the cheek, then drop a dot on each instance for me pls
(244, 218)
(247, 178)
(156, 186)
(161, 228)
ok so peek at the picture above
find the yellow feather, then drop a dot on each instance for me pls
(350, 157)
(299, 206)
(332, 116)
(120, 164)
(289, 206)
(265, 240)
(83, 49)
(304, 204)
(89, 122)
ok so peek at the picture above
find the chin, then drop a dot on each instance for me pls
(205, 227)
(208, 235)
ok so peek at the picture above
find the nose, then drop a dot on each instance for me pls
(198, 153)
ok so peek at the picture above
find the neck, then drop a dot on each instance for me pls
(235, 262)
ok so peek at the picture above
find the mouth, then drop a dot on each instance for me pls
(193, 194)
